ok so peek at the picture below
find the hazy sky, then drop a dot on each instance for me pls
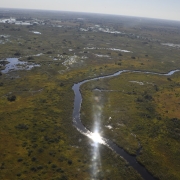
(164, 9)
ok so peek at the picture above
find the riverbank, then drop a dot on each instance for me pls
(130, 107)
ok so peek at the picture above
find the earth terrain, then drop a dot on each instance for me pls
(139, 112)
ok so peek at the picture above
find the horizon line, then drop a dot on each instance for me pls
(91, 13)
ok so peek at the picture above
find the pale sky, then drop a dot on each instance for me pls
(162, 9)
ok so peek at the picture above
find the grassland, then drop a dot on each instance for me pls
(37, 139)
(143, 109)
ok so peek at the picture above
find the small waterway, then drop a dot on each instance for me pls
(83, 130)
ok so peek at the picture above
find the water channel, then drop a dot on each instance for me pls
(83, 130)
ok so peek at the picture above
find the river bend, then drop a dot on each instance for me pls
(83, 130)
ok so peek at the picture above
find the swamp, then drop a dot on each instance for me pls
(43, 54)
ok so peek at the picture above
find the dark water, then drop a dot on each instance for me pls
(80, 127)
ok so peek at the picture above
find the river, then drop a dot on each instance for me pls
(107, 142)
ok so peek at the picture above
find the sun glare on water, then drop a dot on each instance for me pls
(96, 138)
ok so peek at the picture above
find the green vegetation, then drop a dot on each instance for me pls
(143, 111)
(138, 111)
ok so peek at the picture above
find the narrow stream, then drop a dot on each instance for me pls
(82, 129)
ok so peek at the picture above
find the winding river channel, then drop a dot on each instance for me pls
(83, 130)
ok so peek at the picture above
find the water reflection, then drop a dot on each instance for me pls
(14, 64)
(95, 135)
(96, 138)
(96, 166)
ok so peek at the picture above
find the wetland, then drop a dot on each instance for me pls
(88, 96)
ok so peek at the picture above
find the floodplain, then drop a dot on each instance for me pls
(138, 111)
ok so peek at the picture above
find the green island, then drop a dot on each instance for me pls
(138, 111)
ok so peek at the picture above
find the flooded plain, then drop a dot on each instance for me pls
(13, 64)
(171, 45)
(111, 49)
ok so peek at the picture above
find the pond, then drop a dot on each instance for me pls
(36, 32)
(14, 64)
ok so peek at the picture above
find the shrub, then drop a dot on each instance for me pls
(3, 63)
(19, 174)
(33, 169)
(11, 98)
(148, 97)
(169, 79)
(30, 58)
(17, 54)
(139, 99)
(22, 127)
(20, 159)
(40, 167)
(69, 162)
(62, 84)
(33, 159)
(53, 166)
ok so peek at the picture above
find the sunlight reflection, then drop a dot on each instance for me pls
(95, 136)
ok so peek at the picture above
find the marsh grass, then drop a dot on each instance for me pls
(37, 139)
(140, 116)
